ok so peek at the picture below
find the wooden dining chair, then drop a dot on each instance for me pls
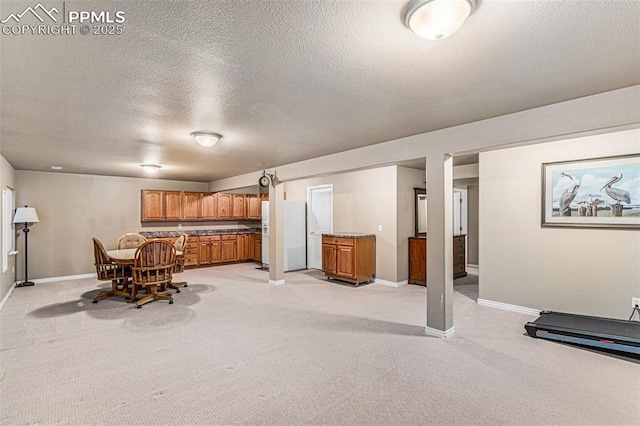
(108, 270)
(152, 271)
(130, 241)
(179, 245)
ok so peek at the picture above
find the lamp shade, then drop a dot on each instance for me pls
(437, 19)
(26, 215)
(206, 138)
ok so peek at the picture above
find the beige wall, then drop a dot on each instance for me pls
(362, 200)
(576, 270)
(408, 179)
(7, 179)
(74, 208)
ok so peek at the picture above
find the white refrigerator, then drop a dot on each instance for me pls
(295, 235)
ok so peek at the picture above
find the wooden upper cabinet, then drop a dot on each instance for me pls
(151, 205)
(225, 206)
(172, 205)
(253, 207)
(177, 206)
(191, 205)
(209, 206)
(238, 210)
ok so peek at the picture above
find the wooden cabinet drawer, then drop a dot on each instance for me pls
(191, 259)
(209, 238)
(190, 250)
(228, 237)
(338, 241)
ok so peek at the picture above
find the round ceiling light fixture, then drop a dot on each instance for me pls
(437, 19)
(206, 138)
(150, 168)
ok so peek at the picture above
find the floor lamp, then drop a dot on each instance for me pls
(28, 216)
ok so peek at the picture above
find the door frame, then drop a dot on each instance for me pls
(310, 240)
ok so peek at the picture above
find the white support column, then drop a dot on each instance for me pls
(440, 245)
(276, 234)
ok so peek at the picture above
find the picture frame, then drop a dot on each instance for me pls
(593, 193)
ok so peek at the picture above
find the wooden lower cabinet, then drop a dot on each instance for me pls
(257, 248)
(418, 259)
(229, 248)
(191, 252)
(244, 247)
(210, 250)
(207, 250)
(249, 246)
(329, 258)
(351, 259)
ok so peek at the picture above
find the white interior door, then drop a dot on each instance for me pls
(319, 221)
(459, 211)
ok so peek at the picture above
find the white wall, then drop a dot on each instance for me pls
(576, 270)
(7, 179)
(362, 200)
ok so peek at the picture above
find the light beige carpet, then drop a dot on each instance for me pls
(233, 350)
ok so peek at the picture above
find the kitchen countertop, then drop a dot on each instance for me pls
(197, 232)
(348, 235)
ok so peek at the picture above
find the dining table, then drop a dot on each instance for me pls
(128, 256)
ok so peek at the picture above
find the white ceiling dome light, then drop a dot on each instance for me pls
(437, 19)
(150, 168)
(206, 138)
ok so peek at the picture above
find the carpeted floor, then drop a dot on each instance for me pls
(233, 350)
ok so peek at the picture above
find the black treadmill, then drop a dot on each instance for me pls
(604, 333)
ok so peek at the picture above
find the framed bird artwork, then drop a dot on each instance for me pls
(595, 192)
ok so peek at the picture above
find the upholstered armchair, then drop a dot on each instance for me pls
(130, 241)
(152, 271)
(179, 245)
(108, 270)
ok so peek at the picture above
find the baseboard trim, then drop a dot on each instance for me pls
(390, 283)
(508, 307)
(434, 332)
(6, 296)
(276, 282)
(64, 278)
(472, 265)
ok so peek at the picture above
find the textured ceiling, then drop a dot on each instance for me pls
(285, 81)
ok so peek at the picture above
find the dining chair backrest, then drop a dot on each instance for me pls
(180, 243)
(154, 262)
(106, 269)
(130, 241)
